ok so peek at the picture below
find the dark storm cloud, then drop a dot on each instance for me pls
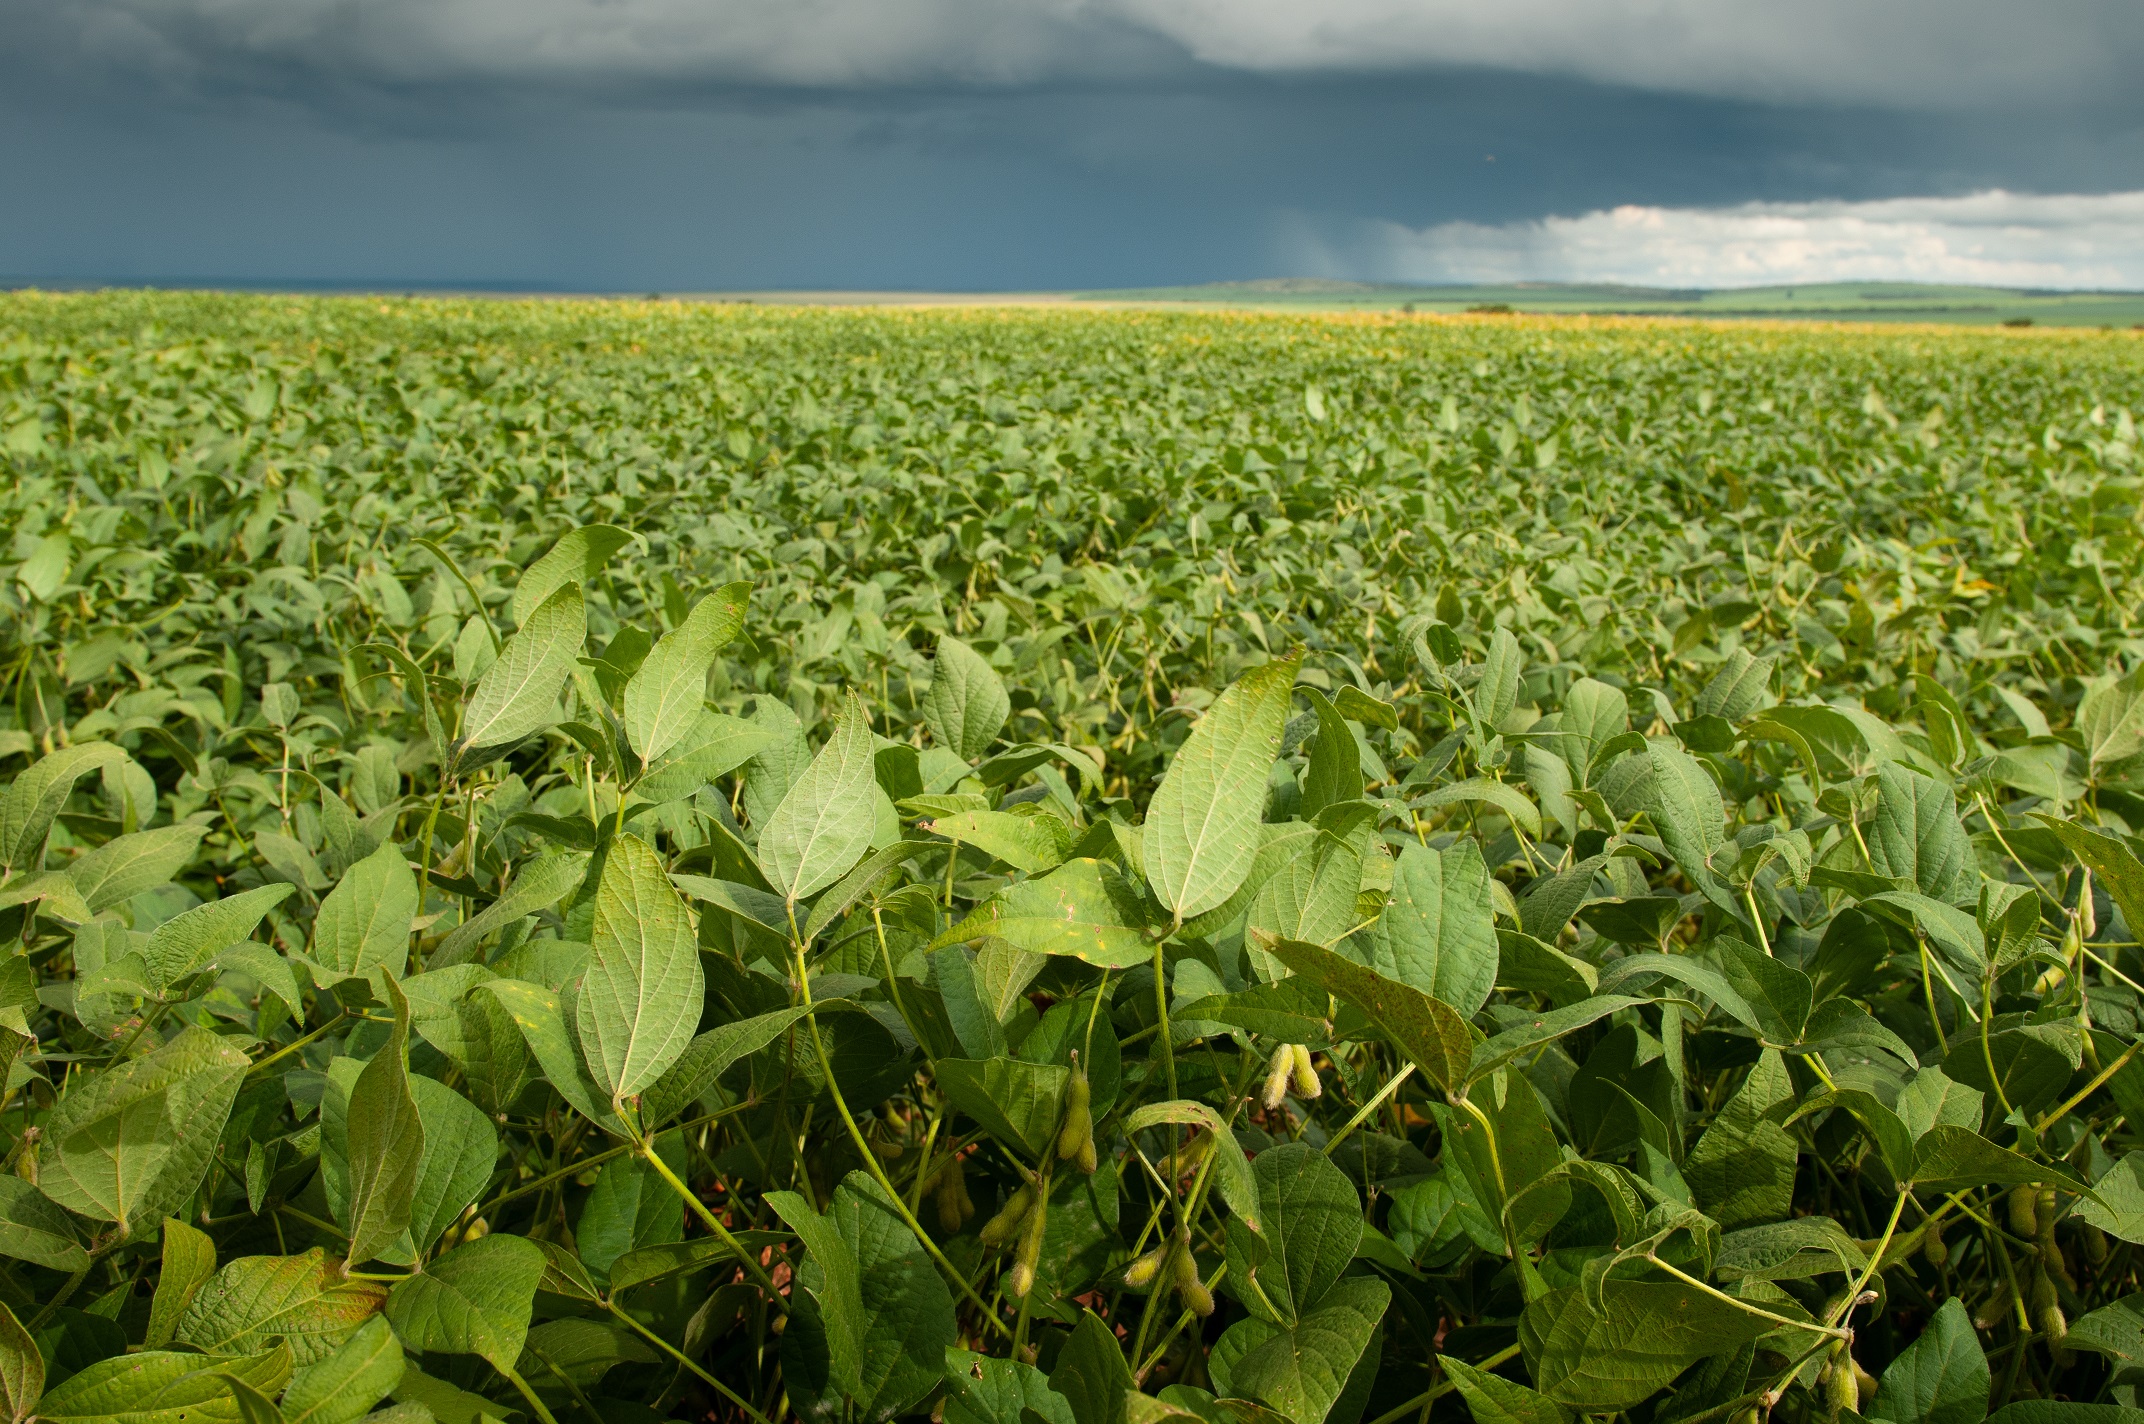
(946, 143)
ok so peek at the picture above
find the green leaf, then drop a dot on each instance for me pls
(1334, 774)
(1091, 1374)
(189, 1260)
(1438, 930)
(709, 1056)
(2108, 858)
(184, 943)
(630, 1206)
(1684, 803)
(1302, 1370)
(982, 1390)
(1029, 844)
(2119, 1211)
(838, 1292)
(461, 1147)
(1310, 1221)
(907, 1312)
(1427, 1030)
(1949, 1158)
(1612, 1355)
(537, 1013)
(1918, 837)
(1742, 1169)
(163, 1387)
(1233, 1177)
(538, 885)
(125, 866)
(36, 795)
(1018, 1101)
(386, 1142)
(1493, 1399)
(127, 1144)
(1497, 795)
(1498, 690)
(344, 1386)
(1085, 909)
(2110, 719)
(1951, 930)
(713, 746)
(824, 824)
(2064, 1411)
(1201, 833)
(966, 704)
(519, 693)
(641, 998)
(305, 1300)
(1537, 1029)
(365, 920)
(666, 696)
(1312, 896)
(577, 557)
(33, 1229)
(475, 1300)
(22, 1369)
(2116, 1331)
(1941, 1378)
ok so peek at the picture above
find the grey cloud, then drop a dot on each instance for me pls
(1924, 54)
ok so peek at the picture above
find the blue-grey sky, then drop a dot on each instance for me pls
(1008, 144)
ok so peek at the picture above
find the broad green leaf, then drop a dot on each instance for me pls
(666, 696)
(189, 1260)
(164, 1387)
(1951, 930)
(461, 1147)
(1683, 802)
(1310, 1221)
(1948, 1158)
(538, 885)
(1424, 1028)
(2119, 1211)
(2116, 1331)
(641, 998)
(1086, 909)
(1018, 1101)
(22, 1369)
(1736, 689)
(33, 1229)
(983, 1390)
(708, 1057)
(1029, 844)
(386, 1143)
(2110, 719)
(1742, 1168)
(1201, 833)
(966, 704)
(341, 1388)
(1090, 1373)
(1485, 791)
(1536, 1029)
(34, 798)
(537, 1012)
(712, 746)
(1334, 774)
(125, 866)
(1313, 896)
(519, 694)
(1438, 930)
(364, 922)
(629, 1207)
(1612, 1355)
(577, 557)
(1941, 1378)
(1492, 1399)
(907, 1312)
(184, 943)
(825, 822)
(475, 1300)
(1302, 1370)
(438, 1400)
(2110, 859)
(838, 1292)
(128, 1143)
(305, 1300)
(1917, 836)
(1498, 690)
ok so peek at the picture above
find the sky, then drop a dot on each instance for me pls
(995, 145)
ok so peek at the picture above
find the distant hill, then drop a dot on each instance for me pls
(1828, 301)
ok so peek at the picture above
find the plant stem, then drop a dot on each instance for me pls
(646, 1148)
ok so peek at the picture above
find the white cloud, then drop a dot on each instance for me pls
(1889, 53)
(1993, 238)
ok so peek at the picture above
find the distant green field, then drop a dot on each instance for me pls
(1831, 301)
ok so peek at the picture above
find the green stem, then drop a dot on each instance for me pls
(687, 1361)
(1845, 1307)
(1436, 1392)
(1743, 1305)
(713, 1223)
(1392, 1085)
(514, 1376)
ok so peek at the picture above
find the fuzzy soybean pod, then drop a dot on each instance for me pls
(1933, 1247)
(949, 1192)
(1075, 1143)
(1840, 1390)
(1029, 1255)
(1141, 1273)
(2047, 1314)
(1185, 1267)
(1002, 1227)
(1307, 1085)
(1278, 1071)
(2024, 1204)
(2050, 1249)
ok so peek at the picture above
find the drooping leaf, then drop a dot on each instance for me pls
(577, 557)
(184, 943)
(474, 1300)
(519, 694)
(640, 1000)
(1427, 1030)
(838, 1293)
(966, 704)
(386, 1143)
(1086, 909)
(189, 1260)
